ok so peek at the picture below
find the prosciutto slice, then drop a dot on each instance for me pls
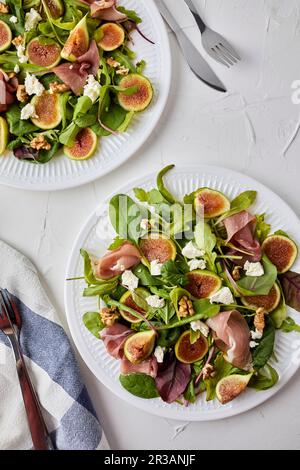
(8, 88)
(117, 261)
(231, 334)
(148, 367)
(75, 75)
(105, 10)
(240, 232)
(114, 338)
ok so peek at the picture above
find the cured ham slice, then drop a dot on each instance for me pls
(148, 367)
(8, 88)
(75, 75)
(231, 333)
(114, 338)
(105, 10)
(240, 232)
(117, 261)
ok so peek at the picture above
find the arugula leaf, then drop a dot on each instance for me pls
(290, 325)
(145, 278)
(116, 243)
(264, 379)
(17, 126)
(161, 186)
(204, 309)
(206, 240)
(126, 216)
(163, 293)
(172, 273)
(189, 393)
(279, 314)
(88, 270)
(131, 14)
(68, 136)
(222, 369)
(262, 228)
(242, 202)
(264, 350)
(140, 385)
(100, 289)
(93, 323)
(166, 313)
(282, 233)
(141, 194)
(168, 338)
(260, 285)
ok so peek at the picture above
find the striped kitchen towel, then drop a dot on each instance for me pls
(67, 408)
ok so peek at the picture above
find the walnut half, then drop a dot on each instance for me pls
(40, 143)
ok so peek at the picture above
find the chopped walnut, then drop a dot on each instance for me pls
(236, 273)
(113, 63)
(259, 319)
(4, 8)
(208, 371)
(56, 87)
(40, 143)
(18, 41)
(22, 96)
(122, 71)
(109, 315)
(186, 308)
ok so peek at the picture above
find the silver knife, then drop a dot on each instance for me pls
(196, 62)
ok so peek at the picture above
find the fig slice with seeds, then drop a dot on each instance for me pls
(158, 247)
(189, 353)
(281, 251)
(231, 387)
(210, 203)
(141, 98)
(84, 147)
(139, 346)
(44, 52)
(268, 302)
(203, 284)
(47, 109)
(110, 36)
(5, 36)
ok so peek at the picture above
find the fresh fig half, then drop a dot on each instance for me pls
(158, 247)
(203, 284)
(55, 8)
(139, 347)
(187, 352)
(5, 36)
(127, 300)
(47, 108)
(3, 135)
(77, 43)
(210, 203)
(44, 52)
(84, 147)
(269, 302)
(139, 100)
(231, 387)
(281, 251)
(110, 36)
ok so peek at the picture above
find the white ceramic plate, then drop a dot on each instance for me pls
(61, 172)
(180, 181)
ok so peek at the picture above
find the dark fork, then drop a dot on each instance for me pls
(10, 324)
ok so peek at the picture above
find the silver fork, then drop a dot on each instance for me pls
(214, 44)
(10, 324)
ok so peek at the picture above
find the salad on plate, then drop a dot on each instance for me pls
(68, 76)
(191, 294)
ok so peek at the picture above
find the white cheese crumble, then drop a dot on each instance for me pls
(16, 68)
(190, 251)
(21, 54)
(118, 267)
(92, 88)
(159, 353)
(28, 112)
(253, 344)
(129, 280)
(197, 264)
(33, 86)
(155, 268)
(32, 18)
(223, 296)
(144, 224)
(200, 326)
(256, 334)
(254, 269)
(155, 301)
(3, 2)
(13, 19)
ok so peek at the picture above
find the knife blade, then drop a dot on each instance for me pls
(193, 57)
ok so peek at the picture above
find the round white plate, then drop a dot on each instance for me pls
(61, 172)
(180, 181)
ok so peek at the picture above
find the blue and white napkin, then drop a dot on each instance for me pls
(67, 408)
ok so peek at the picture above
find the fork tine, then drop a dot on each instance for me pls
(224, 55)
(230, 49)
(227, 53)
(217, 57)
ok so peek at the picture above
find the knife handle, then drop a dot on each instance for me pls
(37, 426)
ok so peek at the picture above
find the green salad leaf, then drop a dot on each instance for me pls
(264, 378)
(126, 216)
(206, 241)
(260, 285)
(264, 350)
(289, 325)
(262, 229)
(161, 185)
(241, 203)
(140, 385)
(93, 323)
(222, 369)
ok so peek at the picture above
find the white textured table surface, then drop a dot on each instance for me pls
(248, 130)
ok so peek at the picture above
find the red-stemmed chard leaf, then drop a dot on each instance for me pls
(290, 282)
(172, 379)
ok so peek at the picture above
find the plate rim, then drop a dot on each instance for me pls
(160, 106)
(205, 416)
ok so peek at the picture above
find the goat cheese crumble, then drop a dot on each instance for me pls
(92, 88)
(254, 269)
(33, 86)
(223, 296)
(200, 326)
(155, 301)
(159, 353)
(256, 334)
(129, 280)
(16, 68)
(21, 54)
(155, 268)
(190, 251)
(253, 344)
(197, 264)
(28, 112)
(13, 19)
(32, 19)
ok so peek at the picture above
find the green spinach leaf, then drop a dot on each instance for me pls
(140, 385)
(260, 285)
(290, 325)
(93, 323)
(264, 350)
(264, 379)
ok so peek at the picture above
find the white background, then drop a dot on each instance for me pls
(249, 130)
